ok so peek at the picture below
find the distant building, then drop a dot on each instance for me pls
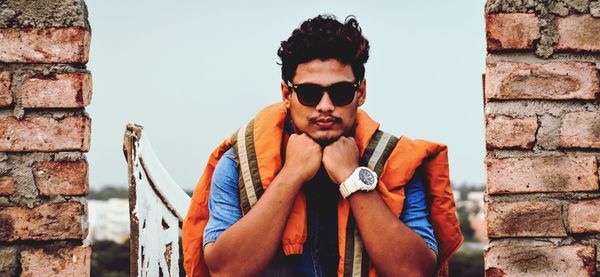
(474, 205)
(109, 220)
(474, 201)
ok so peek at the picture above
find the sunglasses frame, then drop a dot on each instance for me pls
(293, 87)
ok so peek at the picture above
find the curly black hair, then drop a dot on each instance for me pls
(324, 37)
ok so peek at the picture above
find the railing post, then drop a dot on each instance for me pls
(157, 208)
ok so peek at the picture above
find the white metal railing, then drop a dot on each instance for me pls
(157, 207)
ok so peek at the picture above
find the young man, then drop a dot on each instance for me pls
(311, 187)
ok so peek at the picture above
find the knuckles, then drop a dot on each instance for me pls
(303, 143)
(342, 143)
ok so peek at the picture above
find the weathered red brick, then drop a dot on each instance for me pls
(509, 132)
(581, 130)
(524, 219)
(528, 259)
(70, 261)
(578, 33)
(58, 221)
(563, 173)
(511, 31)
(550, 81)
(7, 185)
(66, 90)
(584, 216)
(5, 94)
(61, 178)
(44, 134)
(44, 45)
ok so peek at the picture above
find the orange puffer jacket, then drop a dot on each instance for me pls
(266, 134)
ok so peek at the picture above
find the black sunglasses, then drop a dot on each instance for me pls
(341, 93)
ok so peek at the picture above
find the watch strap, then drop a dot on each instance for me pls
(344, 190)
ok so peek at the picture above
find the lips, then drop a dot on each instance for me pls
(325, 122)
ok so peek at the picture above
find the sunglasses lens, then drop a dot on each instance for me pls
(309, 94)
(342, 94)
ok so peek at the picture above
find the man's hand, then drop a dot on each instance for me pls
(302, 156)
(341, 159)
(249, 245)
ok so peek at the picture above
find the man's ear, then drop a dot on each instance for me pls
(362, 92)
(285, 94)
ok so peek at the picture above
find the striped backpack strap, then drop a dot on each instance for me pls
(249, 184)
(356, 262)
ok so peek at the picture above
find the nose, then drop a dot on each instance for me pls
(325, 105)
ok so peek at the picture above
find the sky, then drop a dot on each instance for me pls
(192, 72)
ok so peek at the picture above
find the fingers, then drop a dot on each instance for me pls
(303, 155)
(343, 145)
(340, 158)
(343, 141)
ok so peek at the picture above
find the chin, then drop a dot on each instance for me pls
(327, 137)
(325, 141)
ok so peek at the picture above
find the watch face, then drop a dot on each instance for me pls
(366, 177)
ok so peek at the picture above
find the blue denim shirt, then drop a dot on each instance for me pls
(320, 255)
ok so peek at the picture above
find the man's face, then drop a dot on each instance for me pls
(325, 122)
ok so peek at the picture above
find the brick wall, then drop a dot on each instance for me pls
(44, 133)
(542, 115)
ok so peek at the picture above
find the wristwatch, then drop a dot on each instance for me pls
(361, 179)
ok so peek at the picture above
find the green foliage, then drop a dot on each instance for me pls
(467, 263)
(464, 189)
(122, 192)
(108, 192)
(110, 259)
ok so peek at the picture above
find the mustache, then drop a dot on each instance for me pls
(325, 117)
